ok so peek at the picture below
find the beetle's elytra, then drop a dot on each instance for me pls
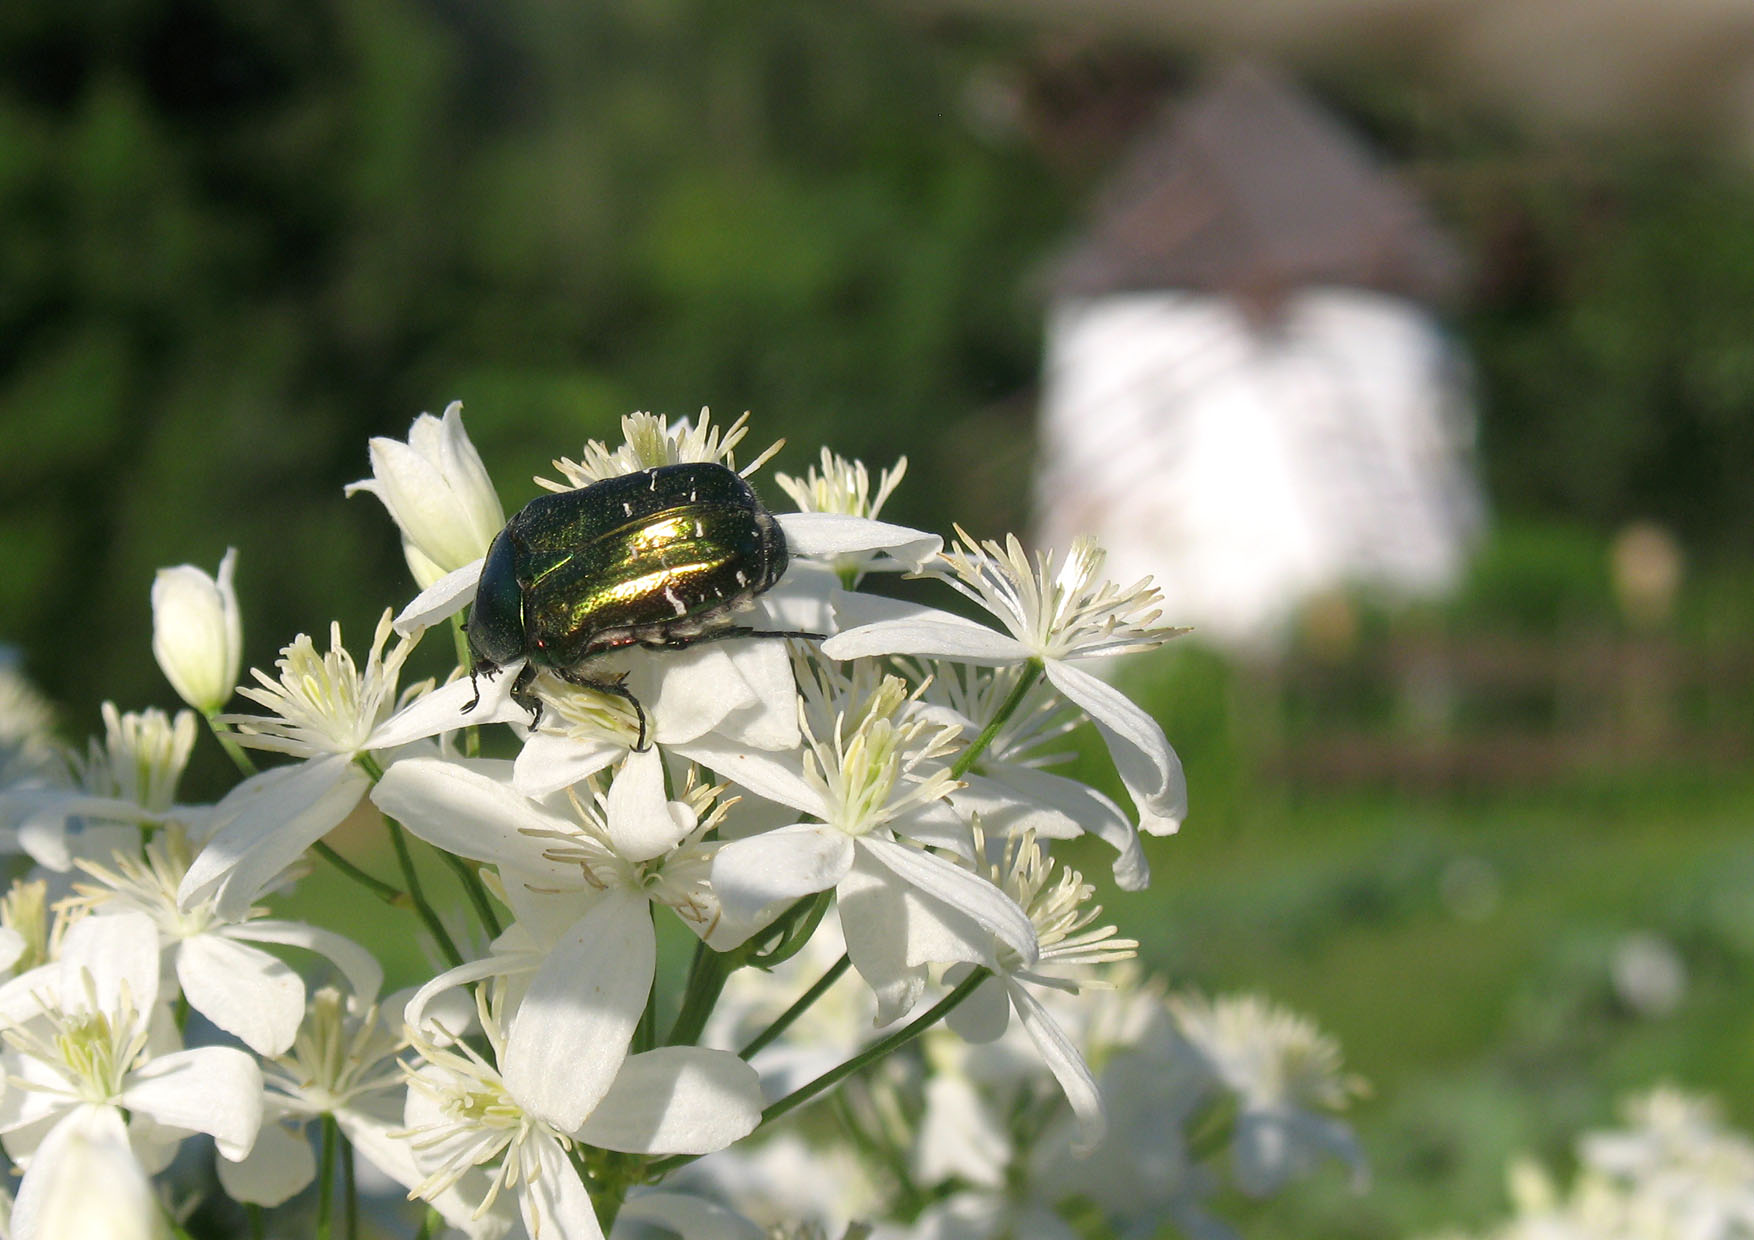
(662, 558)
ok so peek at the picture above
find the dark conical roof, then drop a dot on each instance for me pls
(1251, 188)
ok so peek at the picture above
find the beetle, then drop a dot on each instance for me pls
(661, 558)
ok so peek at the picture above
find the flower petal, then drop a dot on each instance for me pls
(1015, 799)
(85, 1181)
(211, 1089)
(276, 1168)
(468, 808)
(750, 874)
(554, 1201)
(676, 1100)
(642, 823)
(266, 823)
(441, 600)
(108, 959)
(1064, 1060)
(361, 969)
(927, 631)
(778, 777)
(572, 1030)
(550, 761)
(251, 995)
(443, 710)
(1148, 767)
(824, 535)
(966, 892)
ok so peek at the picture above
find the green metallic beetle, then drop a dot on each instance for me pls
(661, 559)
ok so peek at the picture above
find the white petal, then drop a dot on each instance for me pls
(688, 693)
(966, 892)
(983, 1016)
(824, 535)
(1067, 1064)
(211, 1089)
(778, 777)
(276, 1168)
(1015, 799)
(266, 823)
(468, 808)
(424, 1006)
(363, 973)
(118, 953)
(549, 762)
(572, 1030)
(750, 874)
(642, 822)
(442, 710)
(677, 1100)
(84, 1181)
(441, 600)
(554, 1201)
(881, 920)
(251, 995)
(936, 634)
(1146, 764)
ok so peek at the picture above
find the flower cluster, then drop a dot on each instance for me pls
(1675, 1170)
(844, 801)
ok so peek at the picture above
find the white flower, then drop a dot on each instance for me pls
(1060, 612)
(197, 632)
(438, 493)
(842, 488)
(87, 1185)
(518, 1125)
(1006, 786)
(249, 993)
(650, 441)
(85, 1033)
(869, 774)
(329, 713)
(126, 781)
(556, 855)
(1062, 914)
(1285, 1075)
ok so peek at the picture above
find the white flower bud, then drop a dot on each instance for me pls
(438, 493)
(197, 633)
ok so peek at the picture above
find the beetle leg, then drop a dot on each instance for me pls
(523, 697)
(481, 667)
(615, 688)
(736, 630)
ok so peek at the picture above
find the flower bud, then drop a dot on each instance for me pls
(197, 633)
(438, 493)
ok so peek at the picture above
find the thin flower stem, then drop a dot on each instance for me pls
(382, 890)
(706, 981)
(410, 876)
(834, 1076)
(784, 1020)
(1031, 670)
(429, 1225)
(476, 890)
(222, 733)
(434, 927)
(349, 1185)
(326, 1180)
(877, 1050)
(257, 1220)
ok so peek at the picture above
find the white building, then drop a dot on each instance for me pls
(1245, 395)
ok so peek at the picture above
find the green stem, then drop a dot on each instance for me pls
(834, 1076)
(434, 927)
(382, 890)
(784, 1020)
(222, 733)
(476, 890)
(1031, 672)
(326, 1180)
(706, 980)
(466, 659)
(349, 1185)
